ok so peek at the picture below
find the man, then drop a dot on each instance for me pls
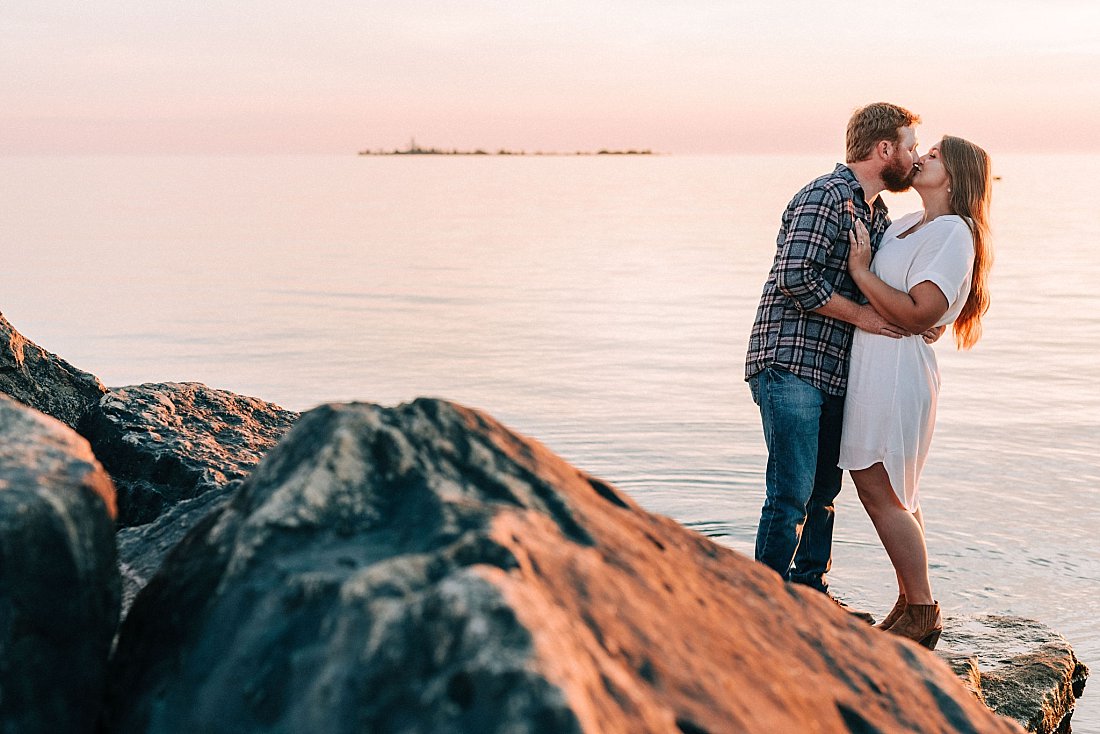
(797, 362)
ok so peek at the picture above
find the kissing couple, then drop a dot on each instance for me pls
(840, 358)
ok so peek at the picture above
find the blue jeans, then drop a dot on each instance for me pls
(802, 431)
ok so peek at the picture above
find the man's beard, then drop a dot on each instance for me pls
(897, 177)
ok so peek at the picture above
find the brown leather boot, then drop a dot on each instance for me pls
(921, 623)
(899, 607)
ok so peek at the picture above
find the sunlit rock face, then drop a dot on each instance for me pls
(42, 380)
(59, 584)
(167, 442)
(423, 569)
(1020, 668)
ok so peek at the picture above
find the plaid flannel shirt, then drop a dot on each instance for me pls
(811, 263)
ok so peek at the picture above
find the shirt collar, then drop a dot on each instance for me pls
(846, 173)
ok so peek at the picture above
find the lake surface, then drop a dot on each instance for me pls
(599, 304)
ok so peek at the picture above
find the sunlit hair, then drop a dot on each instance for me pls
(968, 167)
(874, 123)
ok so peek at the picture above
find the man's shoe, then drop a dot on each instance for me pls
(862, 616)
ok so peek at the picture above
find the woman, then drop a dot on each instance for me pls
(930, 270)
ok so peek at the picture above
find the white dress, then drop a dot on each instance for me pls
(890, 408)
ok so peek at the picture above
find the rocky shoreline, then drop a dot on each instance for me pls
(174, 557)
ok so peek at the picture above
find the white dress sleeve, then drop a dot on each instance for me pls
(946, 258)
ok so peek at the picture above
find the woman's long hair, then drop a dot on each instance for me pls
(971, 189)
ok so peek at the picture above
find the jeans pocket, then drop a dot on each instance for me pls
(774, 375)
(788, 395)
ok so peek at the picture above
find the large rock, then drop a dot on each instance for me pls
(422, 569)
(59, 585)
(1019, 667)
(167, 442)
(42, 380)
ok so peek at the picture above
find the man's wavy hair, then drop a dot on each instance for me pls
(874, 123)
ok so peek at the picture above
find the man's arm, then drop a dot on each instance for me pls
(813, 227)
(862, 317)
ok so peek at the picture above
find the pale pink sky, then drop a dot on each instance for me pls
(695, 76)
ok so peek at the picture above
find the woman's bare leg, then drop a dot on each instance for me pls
(901, 532)
(920, 521)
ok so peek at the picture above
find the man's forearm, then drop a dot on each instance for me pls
(843, 309)
(862, 317)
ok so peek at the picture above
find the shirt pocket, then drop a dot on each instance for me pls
(848, 218)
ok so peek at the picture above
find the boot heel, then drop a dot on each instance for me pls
(931, 639)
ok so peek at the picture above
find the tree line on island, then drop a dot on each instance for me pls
(415, 149)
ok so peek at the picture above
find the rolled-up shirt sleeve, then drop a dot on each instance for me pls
(812, 229)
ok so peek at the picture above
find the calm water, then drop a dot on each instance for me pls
(600, 305)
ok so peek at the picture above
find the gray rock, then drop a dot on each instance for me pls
(1020, 668)
(59, 585)
(167, 442)
(423, 569)
(142, 548)
(177, 451)
(42, 380)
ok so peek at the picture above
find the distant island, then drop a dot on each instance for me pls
(415, 149)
